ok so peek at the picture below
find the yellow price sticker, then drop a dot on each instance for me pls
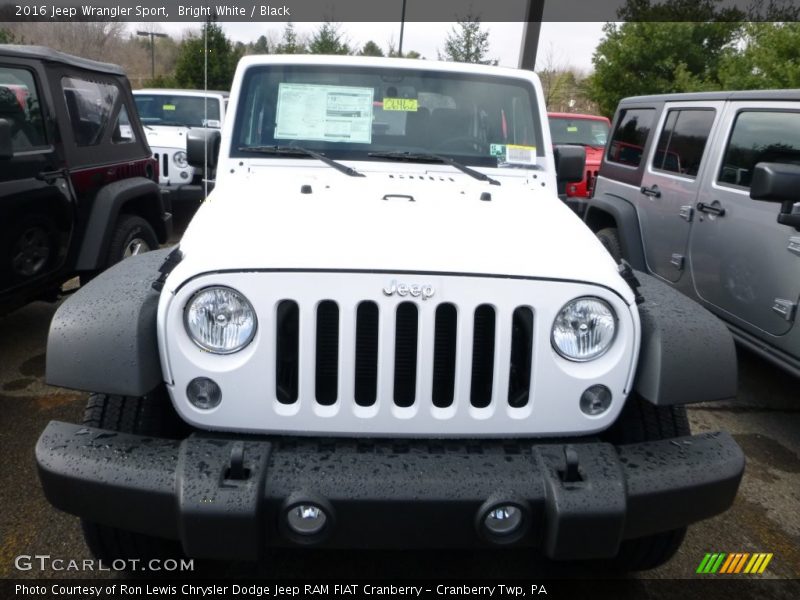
(401, 104)
(168, 107)
(572, 129)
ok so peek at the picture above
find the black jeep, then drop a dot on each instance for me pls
(78, 184)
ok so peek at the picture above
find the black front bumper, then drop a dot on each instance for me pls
(386, 494)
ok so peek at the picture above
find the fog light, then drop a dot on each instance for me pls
(184, 175)
(596, 400)
(204, 393)
(306, 519)
(503, 520)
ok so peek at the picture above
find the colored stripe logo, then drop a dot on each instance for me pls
(734, 563)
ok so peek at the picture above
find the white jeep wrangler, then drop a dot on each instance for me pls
(384, 329)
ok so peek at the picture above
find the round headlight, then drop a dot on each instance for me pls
(584, 329)
(179, 158)
(220, 320)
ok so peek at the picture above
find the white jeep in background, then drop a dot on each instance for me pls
(384, 329)
(168, 115)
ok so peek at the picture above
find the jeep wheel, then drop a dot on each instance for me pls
(149, 415)
(132, 235)
(641, 421)
(34, 247)
(610, 239)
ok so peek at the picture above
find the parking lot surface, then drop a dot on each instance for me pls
(764, 419)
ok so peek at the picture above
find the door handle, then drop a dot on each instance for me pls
(653, 192)
(711, 209)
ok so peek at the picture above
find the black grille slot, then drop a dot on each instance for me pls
(327, 367)
(482, 356)
(519, 376)
(165, 164)
(405, 354)
(366, 383)
(444, 355)
(286, 351)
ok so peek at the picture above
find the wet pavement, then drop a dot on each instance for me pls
(764, 419)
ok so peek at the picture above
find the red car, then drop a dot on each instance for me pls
(589, 131)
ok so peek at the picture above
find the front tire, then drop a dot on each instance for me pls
(610, 240)
(132, 235)
(151, 415)
(641, 421)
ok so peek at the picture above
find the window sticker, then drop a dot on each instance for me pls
(498, 150)
(327, 113)
(401, 104)
(572, 129)
(168, 107)
(521, 155)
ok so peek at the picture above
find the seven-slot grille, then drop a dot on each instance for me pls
(511, 375)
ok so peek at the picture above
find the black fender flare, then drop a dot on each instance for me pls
(103, 338)
(615, 211)
(108, 204)
(687, 354)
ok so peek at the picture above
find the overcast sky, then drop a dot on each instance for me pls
(560, 44)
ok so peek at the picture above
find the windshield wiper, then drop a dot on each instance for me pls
(300, 151)
(434, 158)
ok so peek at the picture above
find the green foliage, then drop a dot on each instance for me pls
(161, 81)
(467, 42)
(769, 59)
(329, 39)
(371, 49)
(6, 37)
(696, 11)
(658, 57)
(261, 45)
(289, 43)
(221, 56)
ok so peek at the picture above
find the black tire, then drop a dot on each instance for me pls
(641, 421)
(132, 235)
(33, 247)
(149, 415)
(610, 240)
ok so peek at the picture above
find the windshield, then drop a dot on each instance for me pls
(586, 132)
(350, 112)
(179, 111)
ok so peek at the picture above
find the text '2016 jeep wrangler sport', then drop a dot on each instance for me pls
(383, 329)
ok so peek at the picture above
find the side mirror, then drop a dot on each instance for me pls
(202, 148)
(570, 164)
(778, 182)
(6, 147)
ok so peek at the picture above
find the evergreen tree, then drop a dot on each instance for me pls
(467, 42)
(289, 43)
(220, 54)
(328, 39)
(261, 45)
(371, 49)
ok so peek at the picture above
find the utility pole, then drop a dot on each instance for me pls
(530, 34)
(152, 35)
(402, 26)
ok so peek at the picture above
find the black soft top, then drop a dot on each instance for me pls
(50, 55)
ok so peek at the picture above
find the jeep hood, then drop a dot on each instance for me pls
(436, 222)
(163, 136)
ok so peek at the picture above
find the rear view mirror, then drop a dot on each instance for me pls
(202, 147)
(778, 182)
(570, 163)
(6, 147)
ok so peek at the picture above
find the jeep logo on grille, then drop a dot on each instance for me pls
(412, 289)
